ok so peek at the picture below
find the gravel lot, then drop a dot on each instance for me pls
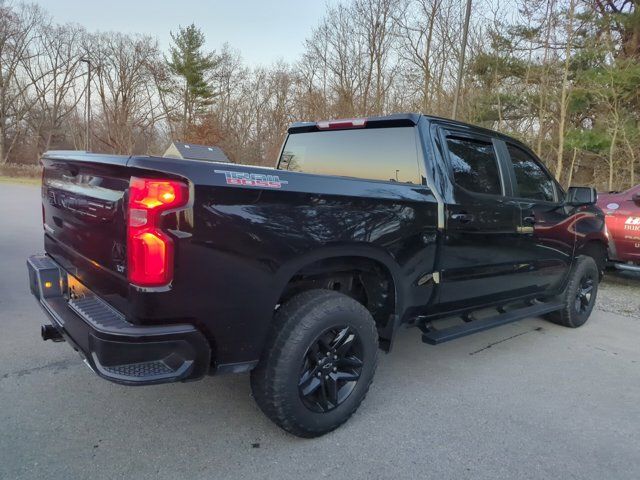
(620, 293)
(527, 400)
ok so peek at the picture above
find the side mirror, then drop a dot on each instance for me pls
(636, 198)
(578, 196)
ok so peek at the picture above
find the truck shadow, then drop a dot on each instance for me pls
(224, 403)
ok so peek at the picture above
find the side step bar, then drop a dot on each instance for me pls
(434, 337)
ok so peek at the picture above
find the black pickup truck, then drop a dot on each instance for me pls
(161, 270)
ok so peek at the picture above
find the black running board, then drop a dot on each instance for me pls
(434, 337)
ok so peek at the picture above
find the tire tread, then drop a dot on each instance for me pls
(567, 316)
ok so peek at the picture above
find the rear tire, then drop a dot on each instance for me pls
(317, 364)
(580, 294)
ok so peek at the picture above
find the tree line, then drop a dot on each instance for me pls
(561, 75)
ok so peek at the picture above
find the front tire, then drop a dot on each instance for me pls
(580, 294)
(318, 363)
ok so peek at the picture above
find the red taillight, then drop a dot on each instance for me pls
(149, 249)
(42, 193)
(341, 124)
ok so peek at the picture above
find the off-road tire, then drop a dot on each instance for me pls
(297, 325)
(570, 315)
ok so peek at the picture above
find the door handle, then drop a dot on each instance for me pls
(462, 217)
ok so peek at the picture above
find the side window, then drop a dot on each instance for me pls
(475, 165)
(533, 182)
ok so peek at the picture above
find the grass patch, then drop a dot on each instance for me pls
(20, 180)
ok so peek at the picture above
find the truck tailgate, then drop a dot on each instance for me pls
(84, 215)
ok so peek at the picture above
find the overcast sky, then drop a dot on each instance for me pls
(264, 31)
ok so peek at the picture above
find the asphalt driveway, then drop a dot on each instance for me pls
(527, 400)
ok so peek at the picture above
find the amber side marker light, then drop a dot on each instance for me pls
(48, 284)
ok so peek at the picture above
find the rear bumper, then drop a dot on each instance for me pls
(114, 348)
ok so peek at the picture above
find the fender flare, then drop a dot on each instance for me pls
(366, 251)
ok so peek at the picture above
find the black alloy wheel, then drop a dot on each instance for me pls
(331, 369)
(584, 294)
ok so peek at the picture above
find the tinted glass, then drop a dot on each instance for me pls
(533, 181)
(388, 154)
(475, 165)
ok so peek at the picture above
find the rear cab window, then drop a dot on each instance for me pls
(474, 163)
(389, 154)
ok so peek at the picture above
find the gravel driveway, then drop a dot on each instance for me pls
(620, 293)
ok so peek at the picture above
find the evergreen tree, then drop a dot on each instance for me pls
(194, 66)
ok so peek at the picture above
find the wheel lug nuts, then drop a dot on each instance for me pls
(335, 369)
(319, 374)
(326, 377)
(335, 357)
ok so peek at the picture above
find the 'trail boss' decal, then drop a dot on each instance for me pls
(252, 179)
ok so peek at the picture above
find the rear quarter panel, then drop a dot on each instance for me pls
(243, 242)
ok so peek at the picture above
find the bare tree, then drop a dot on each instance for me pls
(128, 110)
(416, 26)
(376, 24)
(17, 26)
(53, 71)
(564, 95)
(334, 45)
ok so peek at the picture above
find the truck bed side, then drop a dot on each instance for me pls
(246, 232)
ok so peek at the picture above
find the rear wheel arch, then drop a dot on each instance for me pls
(372, 280)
